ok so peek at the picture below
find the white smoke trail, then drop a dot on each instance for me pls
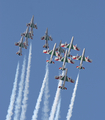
(69, 114)
(26, 91)
(57, 116)
(56, 99)
(45, 109)
(35, 113)
(13, 95)
(19, 97)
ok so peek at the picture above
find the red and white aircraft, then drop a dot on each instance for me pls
(64, 78)
(70, 46)
(52, 52)
(32, 25)
(46, 37)
(81, 58)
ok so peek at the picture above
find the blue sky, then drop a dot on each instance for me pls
(82, 19)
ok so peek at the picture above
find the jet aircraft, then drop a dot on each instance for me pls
(60, 50)
(32, 25)
(21, 44)
(81, 58)
(63, 66)
(46, 37)
(70, 46)
(64, 59)
(51, 53)
(64, 78)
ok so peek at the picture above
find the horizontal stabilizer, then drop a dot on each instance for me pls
(45, 46)
(50, 61)
(18, 53)
(80, 67)
(63, 88)
(17, 44)
(61, 68)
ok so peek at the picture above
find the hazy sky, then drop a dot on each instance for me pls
(85, 20)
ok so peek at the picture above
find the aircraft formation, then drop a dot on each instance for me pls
(57, 52)
(27, 34)
(67, 58)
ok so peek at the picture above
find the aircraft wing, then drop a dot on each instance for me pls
(47, 51)
(76, 48)
(43, 38)
(46, 37)
(70, 80)
(32, 25)
(50, 52)
(59, 77)
(72, 47)
(35, 26)
(27, 35)
(67, 78)
(79, 58)
(17, 43)
(88, 60)
(62, 59)
(50, 38)
(76, 57)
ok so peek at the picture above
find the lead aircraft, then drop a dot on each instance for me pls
(64, 78)
(70, 46)
(46, 37)
(32, 25)
(81, 58)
